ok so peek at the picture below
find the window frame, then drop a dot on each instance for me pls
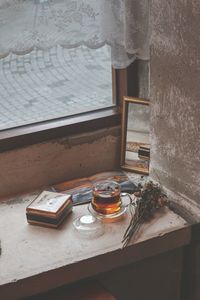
(124, 83)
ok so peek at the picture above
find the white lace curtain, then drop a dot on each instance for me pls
(122, 24)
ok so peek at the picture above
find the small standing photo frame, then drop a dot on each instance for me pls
(135, 144)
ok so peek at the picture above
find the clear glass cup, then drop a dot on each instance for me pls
(106, 197)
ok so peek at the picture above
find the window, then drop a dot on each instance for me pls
(54, 85)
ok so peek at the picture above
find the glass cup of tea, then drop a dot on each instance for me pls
(106, 197)
(108, 204)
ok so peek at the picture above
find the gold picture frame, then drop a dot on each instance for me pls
(135, 152)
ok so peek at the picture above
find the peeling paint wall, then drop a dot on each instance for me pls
(175, 95)
(51, 162)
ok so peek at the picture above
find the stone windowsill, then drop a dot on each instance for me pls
(39, 259)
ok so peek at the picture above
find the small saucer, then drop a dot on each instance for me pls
(108, 217)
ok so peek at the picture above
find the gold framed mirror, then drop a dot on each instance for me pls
(135, 144)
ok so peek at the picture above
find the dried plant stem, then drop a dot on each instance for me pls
(133, 226)
(128, 238)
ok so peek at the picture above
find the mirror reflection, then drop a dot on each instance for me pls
(135, 135)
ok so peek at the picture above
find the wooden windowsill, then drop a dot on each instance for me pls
(36, 259)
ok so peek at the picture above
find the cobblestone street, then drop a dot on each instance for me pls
(49, 84)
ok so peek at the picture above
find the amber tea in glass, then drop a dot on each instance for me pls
(106, 197)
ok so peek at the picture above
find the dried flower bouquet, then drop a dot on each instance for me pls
(149, 198)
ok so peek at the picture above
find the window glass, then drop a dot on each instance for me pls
(53, 83)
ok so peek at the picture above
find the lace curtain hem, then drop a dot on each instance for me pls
(123, 24)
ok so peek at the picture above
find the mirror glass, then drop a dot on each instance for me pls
(136, 148)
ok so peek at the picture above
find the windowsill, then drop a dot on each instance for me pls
(35, 133)
(40, 258)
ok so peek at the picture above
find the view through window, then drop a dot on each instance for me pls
(48, 84)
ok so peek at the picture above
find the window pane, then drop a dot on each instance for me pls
(49, 84)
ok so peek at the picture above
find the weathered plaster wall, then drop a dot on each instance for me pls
(175, 95)
(43, 164)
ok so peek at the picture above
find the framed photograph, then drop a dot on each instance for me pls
(135, 144)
